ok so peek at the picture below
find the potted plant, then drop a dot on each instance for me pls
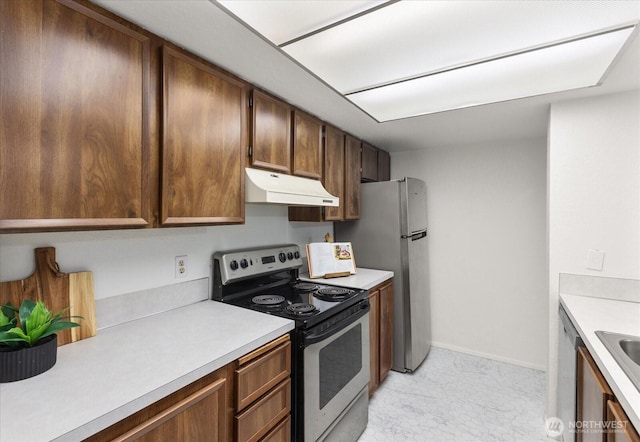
(28, 342)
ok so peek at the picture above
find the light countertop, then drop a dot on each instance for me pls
(592, 314)
(363, 279)
(101, 380)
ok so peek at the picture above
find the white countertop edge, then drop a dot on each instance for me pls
(140, 403)
(364, 279)
(576, 306)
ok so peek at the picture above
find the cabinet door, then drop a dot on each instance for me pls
(334, 171)
(270, 133)
(374, 340)
(189, 419)
(593, 394)
(384, 166)
(201, 411)
(203, 143)
(386, 329)
(352, 178)
(74, 133)
(333, 181)
(307, 146)
(369, 163)
(622, 429)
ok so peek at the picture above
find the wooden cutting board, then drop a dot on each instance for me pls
(58, 291)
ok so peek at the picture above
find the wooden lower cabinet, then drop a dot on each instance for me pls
(263, 393)
(201, 411)
(593, 394)
(246, 400)
(599, 415)
(380, 333)
(621, 430)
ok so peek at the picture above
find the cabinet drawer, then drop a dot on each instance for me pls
(256, 376)
(281, 433)
(261, 417)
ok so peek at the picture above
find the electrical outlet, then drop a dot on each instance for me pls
(181, 266)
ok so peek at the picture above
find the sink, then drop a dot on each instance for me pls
(625, 349)
(631, 347)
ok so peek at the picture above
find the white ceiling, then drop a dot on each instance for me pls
(208, 30)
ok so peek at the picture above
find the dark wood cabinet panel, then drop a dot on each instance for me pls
(334, 171)
(270, 133)
(333, 181)
(593, 394)
(74, 134)
(263, 393)
(622, 429)
(204, 135)
(369, 163)
(374, 341)
(384, 165)
(352, 178)
(201, 411)
(386, 329)
(380, 333)
(307, 146)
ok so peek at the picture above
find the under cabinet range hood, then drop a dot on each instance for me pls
(263, 186)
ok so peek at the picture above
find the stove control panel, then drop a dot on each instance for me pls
(236, 265)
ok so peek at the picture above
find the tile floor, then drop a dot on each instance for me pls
(458, 397)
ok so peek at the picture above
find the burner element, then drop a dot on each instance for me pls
(268, 300)
(305, 286)
(301, 309)
(334, 293)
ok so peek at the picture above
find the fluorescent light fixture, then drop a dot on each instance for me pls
(283, 20)
(411, 38)
(576, 64)
(400, 58)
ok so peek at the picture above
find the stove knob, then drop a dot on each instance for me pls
(296, 255)
(290, 255)
(244, 264)
(234, 265)
(282, 257)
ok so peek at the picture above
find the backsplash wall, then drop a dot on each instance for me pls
(125, 261)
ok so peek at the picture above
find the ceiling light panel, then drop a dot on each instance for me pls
(284, 20)
(411, 38)
(572, 65)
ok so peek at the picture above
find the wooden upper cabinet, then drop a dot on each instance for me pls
(203, 142)
(369, 163)
(307, 145)
(334, 171)
(352, 171)
(384, 165)
(270, 133)
(74, 133)
(334, 180)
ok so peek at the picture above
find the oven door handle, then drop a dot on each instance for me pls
(313, 337)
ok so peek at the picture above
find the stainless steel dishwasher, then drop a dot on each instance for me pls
(568, 342)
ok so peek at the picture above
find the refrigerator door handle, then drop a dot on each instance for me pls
(415, 236)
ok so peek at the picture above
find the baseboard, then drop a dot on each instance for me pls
(490, 356)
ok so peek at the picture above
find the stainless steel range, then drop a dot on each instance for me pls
(330, 360)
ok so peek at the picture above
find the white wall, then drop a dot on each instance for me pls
(125, 261)
(594, 195)
(487, 246)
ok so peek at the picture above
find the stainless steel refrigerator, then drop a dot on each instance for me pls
(391, 234)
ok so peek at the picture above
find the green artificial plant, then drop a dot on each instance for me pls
(25, 326)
